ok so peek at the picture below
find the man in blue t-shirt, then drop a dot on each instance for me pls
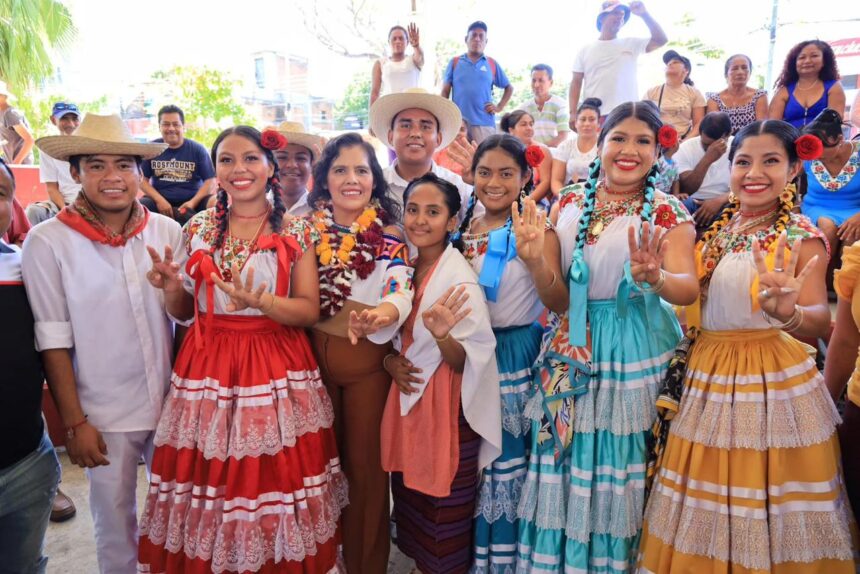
(177, 183)
(472, 75)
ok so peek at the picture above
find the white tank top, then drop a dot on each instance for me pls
(399, 76)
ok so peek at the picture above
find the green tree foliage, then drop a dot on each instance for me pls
(352, 110)
(37, 111)
(30, 30)
(208, 99)
(694, 45)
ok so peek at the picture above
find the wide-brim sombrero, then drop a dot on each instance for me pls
(385, 109)
(296, 134)
(99, 135)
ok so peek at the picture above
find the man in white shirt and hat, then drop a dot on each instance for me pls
(105, 338)
(416, 124)
(606, 68)
(294, 165)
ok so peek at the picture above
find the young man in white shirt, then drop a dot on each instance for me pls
(105, 338)
(416, 124)
(606, 68)
(703, 168)
(62, 188)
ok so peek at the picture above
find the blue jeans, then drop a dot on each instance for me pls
(27, 490)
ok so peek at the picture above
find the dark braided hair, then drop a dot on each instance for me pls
(515, 149)
(786, 134)
(645, 112)
(222, 216)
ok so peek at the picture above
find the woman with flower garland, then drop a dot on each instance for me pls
(627, 251)
(434, 482)
(365, 295)
(518, 268)
(247, 423)
(521, 125)
(749, 480)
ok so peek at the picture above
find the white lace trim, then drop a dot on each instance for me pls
(617, 407)
(615, 511)
(497, 499)
(285, 532)
(219, 428)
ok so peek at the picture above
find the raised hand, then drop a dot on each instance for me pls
(463, 153)
(637, 8)
(401, 370)
(446, 312)
(646, 255)
(165, 273)
(530, 230)
(414, 37)
(365, 323)
(779, 289)
(242, 294)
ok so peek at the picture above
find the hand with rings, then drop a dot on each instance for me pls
(780, 288)
(165, 271)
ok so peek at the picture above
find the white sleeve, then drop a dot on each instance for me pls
(48, 170)
(683, 158)
(579, 61)
(637, 45)
(44, 284)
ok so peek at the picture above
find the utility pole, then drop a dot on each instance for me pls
(773, 23)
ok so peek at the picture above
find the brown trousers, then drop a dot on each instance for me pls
(358, 386)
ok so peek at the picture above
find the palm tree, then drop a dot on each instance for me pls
(29, 31)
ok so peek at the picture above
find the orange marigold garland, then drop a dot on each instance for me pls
(345, 254)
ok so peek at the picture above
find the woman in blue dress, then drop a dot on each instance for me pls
(832, 199)
(627, 251)
(809, 82)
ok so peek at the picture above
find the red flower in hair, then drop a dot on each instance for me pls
(667, 137)
(808, 147)
(534, 156)
(273, 140)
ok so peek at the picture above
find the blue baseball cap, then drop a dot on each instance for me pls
(62, 108)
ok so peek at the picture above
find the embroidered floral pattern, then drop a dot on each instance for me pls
(799, 227)
(235, 250)
(475, 244)
(844, 177)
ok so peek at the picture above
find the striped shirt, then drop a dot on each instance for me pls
(550, 121)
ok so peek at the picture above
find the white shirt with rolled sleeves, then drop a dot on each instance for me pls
(716, 180)
(96, 301)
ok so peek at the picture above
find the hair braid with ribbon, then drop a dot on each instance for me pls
(279, 208)
(588, 204)
(221, 218)
(457, 236)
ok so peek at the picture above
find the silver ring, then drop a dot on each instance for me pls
(764, 294)
(778, 270)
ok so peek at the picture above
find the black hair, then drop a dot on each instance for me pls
(448, 189)
(394, 118)
(476, 24)
(827, 126)
(9, 171)
(644, 111)
(398, 27)
(590, 104)
(829, 69)
(732, 57)
(171, 109)
(515, 149)
(276, 216)
(716, 125)
(380, 189)
(75, 160)
(511, 119)
(543, 68)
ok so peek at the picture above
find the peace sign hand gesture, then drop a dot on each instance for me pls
(165, 273)
(779, 288)
(530, 230)
(646, 255)
(446, 312)
(241, 294)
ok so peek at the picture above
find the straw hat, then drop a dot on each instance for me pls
(296, 134)
(384, 110)
(99, 135)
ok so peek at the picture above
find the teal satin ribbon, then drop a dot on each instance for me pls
(577, 310)
(652, 300)
(501, 248)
